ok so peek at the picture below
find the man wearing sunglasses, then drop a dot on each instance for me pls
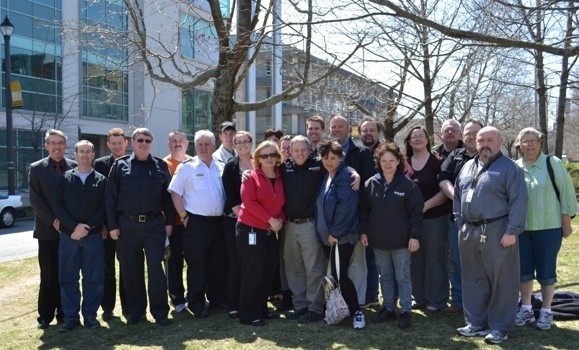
(140, 215)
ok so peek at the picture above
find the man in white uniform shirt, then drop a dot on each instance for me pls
(198, 195)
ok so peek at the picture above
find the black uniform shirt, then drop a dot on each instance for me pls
(301, 186)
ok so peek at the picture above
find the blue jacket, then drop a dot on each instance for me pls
(340, 207)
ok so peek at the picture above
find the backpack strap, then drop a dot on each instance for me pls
(552, 176)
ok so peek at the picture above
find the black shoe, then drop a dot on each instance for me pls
(271, 316)
(68, 326)
(135, 320)
(404, 320)
(163, 322)
(384, 315)
(233, 314)
(258, 323)
(203, 313)
(295, 314)
(92, 324)
(310, 317)
(108, 315)
(43, 324)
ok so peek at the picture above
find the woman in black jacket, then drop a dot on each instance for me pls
(391, 222)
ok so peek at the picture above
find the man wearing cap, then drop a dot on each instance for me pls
(140, 215)
(225, 152)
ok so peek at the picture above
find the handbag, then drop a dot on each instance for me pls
(336, 307)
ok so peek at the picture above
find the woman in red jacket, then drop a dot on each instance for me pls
(260, 219)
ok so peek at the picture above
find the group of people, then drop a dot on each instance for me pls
(406, 220)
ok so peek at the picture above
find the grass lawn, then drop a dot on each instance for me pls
(19, 288)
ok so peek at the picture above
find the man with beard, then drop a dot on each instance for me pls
(178, 145)
(450, 138)
(490, 208)
(449, 171)
(369, 130)
(117, 144)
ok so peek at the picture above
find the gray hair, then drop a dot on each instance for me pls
(54, 132)
(450, 121)
(142, 131)
(204, 133)
(527, 131)
(300, 138)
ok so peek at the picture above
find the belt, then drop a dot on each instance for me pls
(485, 221)
(141, 217)
(300, 221)
(207, 218)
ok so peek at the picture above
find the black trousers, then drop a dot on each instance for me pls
(137, 241)
(233, 273)
(49, 305)
(346, 285)
(258, 265)
(206, 257)
(110, 290)
(175, 273)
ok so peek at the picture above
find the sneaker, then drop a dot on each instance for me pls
(310, 317)
(92, 324)
(473, 331)
(295, 314)
(180, 307)
(545, 320)
(524, 317)
(359, 320)
(384, 315)
(370, 303)
(496, 337)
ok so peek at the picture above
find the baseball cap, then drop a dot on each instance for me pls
(226, 125)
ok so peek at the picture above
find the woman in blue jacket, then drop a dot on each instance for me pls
(337, 221)
(391, 223)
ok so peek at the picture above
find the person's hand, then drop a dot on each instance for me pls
(104, 232)
(275, 224)
(508, 240)
(364, 239)
(566, 226)
(115, 234)
(56, 224)
(332, 240)
(245, 175)
(413, 245)
(355, 181)
(169, 229)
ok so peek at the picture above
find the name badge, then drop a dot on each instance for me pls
(252, 238)
(469, 194)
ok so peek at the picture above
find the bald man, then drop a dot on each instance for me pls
(490, 208)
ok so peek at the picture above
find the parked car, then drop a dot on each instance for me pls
(10, 208)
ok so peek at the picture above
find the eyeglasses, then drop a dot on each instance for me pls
(418, 137)
(529, 142)
(242, 142)
(56, 143)
(147, 141)
(270, 155)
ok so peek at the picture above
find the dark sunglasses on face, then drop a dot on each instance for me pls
(270, 155)
(147, 141)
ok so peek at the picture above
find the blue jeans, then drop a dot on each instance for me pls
(372, 278)
(394, 268)
(86, 255)
(453, 265)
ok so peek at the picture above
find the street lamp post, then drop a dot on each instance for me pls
(7, 28)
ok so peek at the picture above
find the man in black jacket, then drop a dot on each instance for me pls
(79, 205)
(41, 180)
(117, 144)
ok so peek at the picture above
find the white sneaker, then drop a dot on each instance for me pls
(524, 317)
(359, 320)
(180, 307)
(472, 331)
(545, 320)
(496, 337)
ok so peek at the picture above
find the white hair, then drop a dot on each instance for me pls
(204, 133)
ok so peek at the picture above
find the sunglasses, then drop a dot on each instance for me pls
(147, 141)
(270, 155)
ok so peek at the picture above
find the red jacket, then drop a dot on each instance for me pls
(260, 200)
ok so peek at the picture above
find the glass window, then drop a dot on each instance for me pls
(198, 39)
(196, 110)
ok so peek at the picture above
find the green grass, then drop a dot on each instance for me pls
(19, 288)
